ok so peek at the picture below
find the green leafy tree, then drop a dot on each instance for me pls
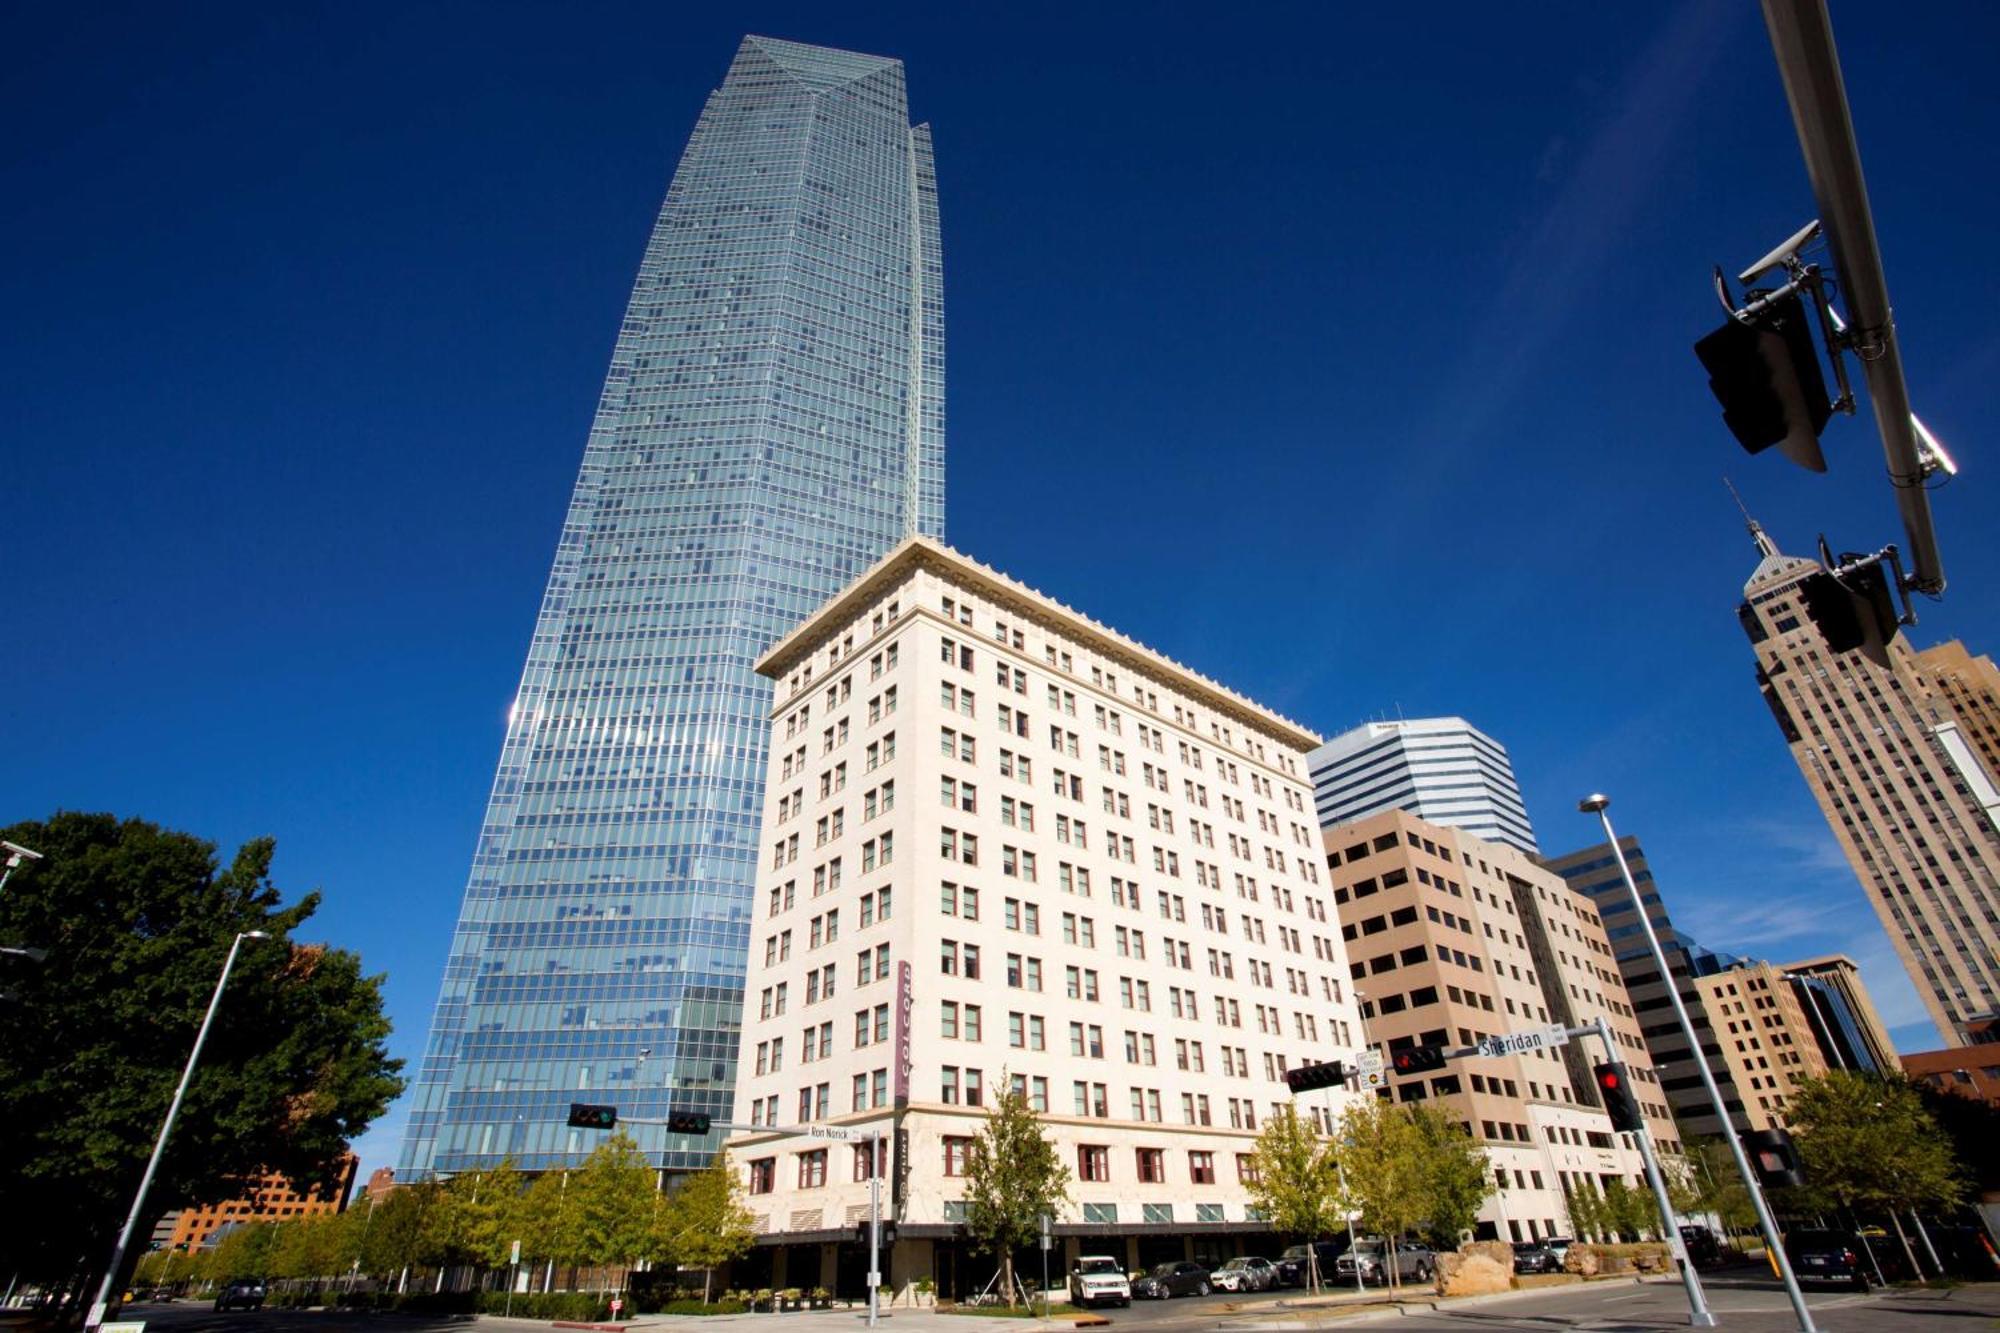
(1408, 1171)
(137, 921)
(241, 1251)
(547, 1217)
(1710, 1183)
(1012, 1178)
(480, 1217)
(1297, 1180)
(1455, 1173)
(705, 1223)
(404, 1231)
(309, 1247)
(1866, 1141)
(1627, 1211)
(1586, 1208)
(612, 1204)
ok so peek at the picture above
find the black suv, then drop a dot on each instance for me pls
(245, 1293)
(1292, 1263)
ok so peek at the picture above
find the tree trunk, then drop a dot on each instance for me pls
(707, 1274)
(1395, 1278)
(1007, 1275)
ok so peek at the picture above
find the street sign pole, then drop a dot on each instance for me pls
(874, 1227)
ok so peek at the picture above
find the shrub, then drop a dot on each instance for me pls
(695, 1307)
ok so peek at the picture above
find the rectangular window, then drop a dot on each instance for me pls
(1093, 1162)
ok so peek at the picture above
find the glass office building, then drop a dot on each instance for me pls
(771, 424)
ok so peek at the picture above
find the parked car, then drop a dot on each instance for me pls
(1559, 1246)
(1535, 1256)
(245, 1293)
(1826, 1256)
(1185, 1278)
(1246, 1273)
(1414, 1262)
(1291, 1264)
(1097, 1279)
(1704, 1250)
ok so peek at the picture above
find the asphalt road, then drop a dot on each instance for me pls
(1742, 1304)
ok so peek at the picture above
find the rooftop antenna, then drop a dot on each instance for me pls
(1765, 546)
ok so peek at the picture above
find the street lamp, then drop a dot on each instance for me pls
(1599, 804)
(16, 854)
(103, 1302)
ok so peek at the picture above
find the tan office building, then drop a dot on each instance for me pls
(1971, 685)
(1004, 844)
(1454, 939)
(1884, 753)
(1763, 1037)
(274, 1198)
(1851, 1033)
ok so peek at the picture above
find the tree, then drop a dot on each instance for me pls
(308, 1247)
(404, 1230)
(1710, 1183)
(546, 1214)
(481, 1215)
(1296, 1180)
(137, 920)
(1455, 1173)
(1012, 1179)
(1866, 1141)
(1626, 1211)
(1408, 1170)
(705, 1222)
(612, 1203)
(243, 1250)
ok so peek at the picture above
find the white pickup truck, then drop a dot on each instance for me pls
(1098, 1279)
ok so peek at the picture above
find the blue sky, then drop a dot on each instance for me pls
(1339, 352)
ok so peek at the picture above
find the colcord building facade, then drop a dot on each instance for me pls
(771, 424)
(1005, 845)
(1452, 939)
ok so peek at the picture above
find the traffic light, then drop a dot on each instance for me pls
(1614, 1085)
(1774, 1158)
(686, 1122)
(1766, 375)
(1306, 1078)
(583, 1115)
(888, 1234)
(1853, 609)
(1417, 1059)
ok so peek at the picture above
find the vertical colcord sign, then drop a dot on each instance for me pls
(903, 1036)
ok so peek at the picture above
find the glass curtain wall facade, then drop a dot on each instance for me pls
(772, 423)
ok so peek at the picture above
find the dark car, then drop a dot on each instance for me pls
(243, 1294)
(1704, 1250)
(1826, 1256)
(1535, 1256)
(1185, 1278)
(1292, 1263)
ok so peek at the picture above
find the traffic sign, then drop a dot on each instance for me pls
(1369, 1061)
(1513, 1043)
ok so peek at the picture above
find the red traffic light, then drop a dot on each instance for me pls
(1418, 1059)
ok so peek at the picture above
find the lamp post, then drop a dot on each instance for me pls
(1599, 804)
(97, 1309)
(16, 854)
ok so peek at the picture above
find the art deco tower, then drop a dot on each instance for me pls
(1881, 748)
(772, 423)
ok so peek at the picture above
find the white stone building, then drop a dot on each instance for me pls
(1003, 842)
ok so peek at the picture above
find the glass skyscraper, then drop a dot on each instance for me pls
(772, 423)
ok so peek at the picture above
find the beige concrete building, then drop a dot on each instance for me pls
(1765, 1042)
(1971, 686)
(1453, 939)
(1850, 1032)
(273, 1198)
(1884, 753)
(1004, 844)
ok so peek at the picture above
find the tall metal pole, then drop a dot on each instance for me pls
(874, 1227)
(1699, 1315)
(104, 1289)
(1802, 41)
(1599, 805)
